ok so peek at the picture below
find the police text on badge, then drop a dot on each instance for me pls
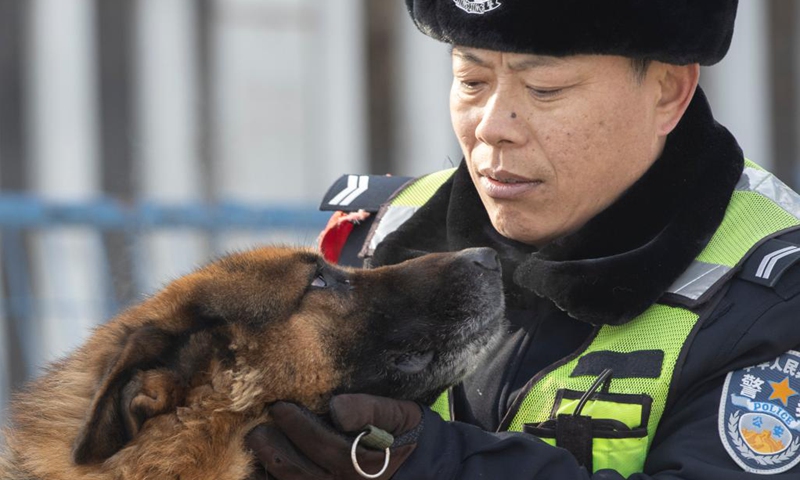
(759, 416)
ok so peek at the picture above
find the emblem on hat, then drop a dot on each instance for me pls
(477, 6)
(759, 415)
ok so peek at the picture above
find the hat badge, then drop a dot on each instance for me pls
(478, 7)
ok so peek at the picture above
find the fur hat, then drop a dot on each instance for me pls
(671, 31)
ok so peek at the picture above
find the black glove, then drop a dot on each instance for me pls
(299, 445)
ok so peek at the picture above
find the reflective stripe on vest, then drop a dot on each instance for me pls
(626, 415)
(759, 189)
(400, 207)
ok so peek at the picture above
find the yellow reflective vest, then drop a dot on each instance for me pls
(609, 420)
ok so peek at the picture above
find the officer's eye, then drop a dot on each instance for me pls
(544, 94)
(470, 86)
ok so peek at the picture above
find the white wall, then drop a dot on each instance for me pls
(62, 142)
(739, 86)
(426, 142)
(341, 125)
(290, 113)
(167, 129)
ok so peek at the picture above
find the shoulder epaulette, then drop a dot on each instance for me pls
(767, 264)
(351, 237)
(351, 193)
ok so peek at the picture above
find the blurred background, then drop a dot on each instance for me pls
(139, 138)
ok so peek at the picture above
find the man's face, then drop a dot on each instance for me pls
(550, 142)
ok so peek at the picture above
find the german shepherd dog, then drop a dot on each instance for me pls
(169, 388)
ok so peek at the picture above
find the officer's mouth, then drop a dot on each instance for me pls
(507, 186)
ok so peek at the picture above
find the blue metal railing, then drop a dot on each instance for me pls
(26, 211)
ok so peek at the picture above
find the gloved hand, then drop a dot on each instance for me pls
(299, 445)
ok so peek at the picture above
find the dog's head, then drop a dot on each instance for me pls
(283, 324)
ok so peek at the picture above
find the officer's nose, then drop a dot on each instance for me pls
(499, 124)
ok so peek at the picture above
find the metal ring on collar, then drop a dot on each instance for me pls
(358, 467)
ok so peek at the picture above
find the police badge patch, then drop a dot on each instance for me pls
(477, 6)
(759, 415)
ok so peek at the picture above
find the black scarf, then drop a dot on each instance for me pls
(622, 260)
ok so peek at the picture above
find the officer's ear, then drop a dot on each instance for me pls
(677, 85)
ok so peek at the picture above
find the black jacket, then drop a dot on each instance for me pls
(610, 271)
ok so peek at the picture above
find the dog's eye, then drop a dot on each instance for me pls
(319, 282)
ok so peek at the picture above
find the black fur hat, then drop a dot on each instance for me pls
(671, 31)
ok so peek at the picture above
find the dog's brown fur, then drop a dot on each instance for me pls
(169, 388)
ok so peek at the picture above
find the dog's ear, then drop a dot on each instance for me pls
(139, 385)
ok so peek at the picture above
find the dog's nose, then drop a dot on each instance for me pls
(483, 257)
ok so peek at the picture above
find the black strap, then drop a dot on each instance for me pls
(574, 433)
(638, 364)
(354, 243)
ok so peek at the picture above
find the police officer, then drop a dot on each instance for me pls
(650, 270)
